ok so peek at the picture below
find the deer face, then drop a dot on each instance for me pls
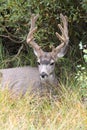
(46, 65)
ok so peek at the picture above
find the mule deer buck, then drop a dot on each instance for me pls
(22, 78)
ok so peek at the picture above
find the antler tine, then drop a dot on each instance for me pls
(63, 29)
(30, 37)
(65, 24)
(33, 20)
(64, 37)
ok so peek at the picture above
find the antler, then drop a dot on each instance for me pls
(30, 37)
(64, 38)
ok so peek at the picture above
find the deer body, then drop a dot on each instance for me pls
(20, 79)
(23, 78)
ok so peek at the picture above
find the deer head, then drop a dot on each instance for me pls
(46, 60)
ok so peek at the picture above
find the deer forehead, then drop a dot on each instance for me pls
(46, 58)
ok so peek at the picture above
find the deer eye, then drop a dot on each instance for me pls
(52, 63)
(38, 63)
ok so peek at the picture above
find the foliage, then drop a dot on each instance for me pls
(14, 25)
(81, 75)
(84, 5)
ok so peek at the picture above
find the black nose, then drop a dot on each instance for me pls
(43, 74)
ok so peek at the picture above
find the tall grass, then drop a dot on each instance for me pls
(31, 112)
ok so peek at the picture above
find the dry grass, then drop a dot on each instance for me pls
(43, 113)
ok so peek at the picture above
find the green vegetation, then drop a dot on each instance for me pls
(14, 27)
(29, 113)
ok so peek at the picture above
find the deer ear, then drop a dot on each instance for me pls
(62, 51)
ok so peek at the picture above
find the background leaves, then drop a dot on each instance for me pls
(15, 23)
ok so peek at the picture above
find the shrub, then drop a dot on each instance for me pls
(81, 75)
(15, 17)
